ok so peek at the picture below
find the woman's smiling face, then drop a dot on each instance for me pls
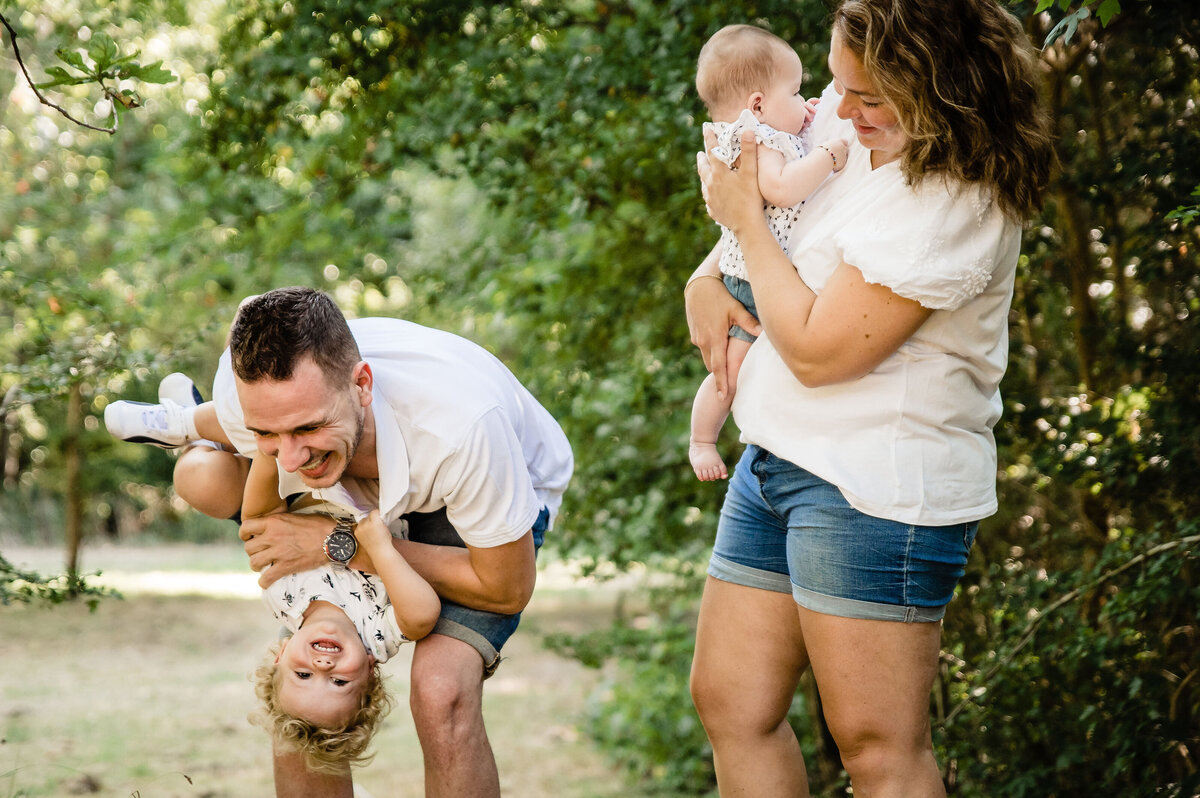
(876, 123)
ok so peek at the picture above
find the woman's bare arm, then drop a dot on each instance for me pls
(842, 334)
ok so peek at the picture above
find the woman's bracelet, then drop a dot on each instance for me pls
(696, 277)
(831, 155)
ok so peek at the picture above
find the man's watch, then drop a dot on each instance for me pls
(340, 544)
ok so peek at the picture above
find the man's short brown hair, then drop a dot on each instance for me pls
(274, 330)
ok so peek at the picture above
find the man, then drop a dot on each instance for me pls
(440, 437)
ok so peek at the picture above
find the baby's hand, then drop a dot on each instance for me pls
(373, 534)
(810, 108)
(838, 150)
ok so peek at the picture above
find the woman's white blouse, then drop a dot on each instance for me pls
(912, 440)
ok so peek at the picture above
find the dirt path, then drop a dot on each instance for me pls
(148, 696)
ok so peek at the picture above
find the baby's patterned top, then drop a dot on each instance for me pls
(360, 595)
(729, 147)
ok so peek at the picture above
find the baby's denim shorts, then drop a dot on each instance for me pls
(486, 632)
(787, 530)
(740, 289)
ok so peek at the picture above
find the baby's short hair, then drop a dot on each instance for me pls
(325, 750)
(736, 61)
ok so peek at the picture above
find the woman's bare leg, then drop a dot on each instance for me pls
(875, 678)
(749, 658)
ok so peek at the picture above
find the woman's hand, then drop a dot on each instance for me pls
(711, 311)
(731, 194)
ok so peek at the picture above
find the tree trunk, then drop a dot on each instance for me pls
(8, 452)
(73, 456)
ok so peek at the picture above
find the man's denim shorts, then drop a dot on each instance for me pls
(486, 632)
(786, 530)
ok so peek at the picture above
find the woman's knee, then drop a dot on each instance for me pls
(710, 694)
(724, 710)
(875, 752)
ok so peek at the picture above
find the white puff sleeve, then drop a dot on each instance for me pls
(937, 244)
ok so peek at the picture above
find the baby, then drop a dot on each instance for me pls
(749, 79)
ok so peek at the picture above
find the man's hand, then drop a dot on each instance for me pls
(285, 543)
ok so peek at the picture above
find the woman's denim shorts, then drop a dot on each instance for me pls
(786, 530)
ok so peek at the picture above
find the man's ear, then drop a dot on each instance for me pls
(363, 381)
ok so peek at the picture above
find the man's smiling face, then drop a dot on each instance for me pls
(312, 427)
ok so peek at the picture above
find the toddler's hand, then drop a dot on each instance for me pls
(373, 534)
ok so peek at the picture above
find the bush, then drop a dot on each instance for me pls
(1082, 681)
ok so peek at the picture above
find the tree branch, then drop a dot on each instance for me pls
(1062, 602)
(12, 36)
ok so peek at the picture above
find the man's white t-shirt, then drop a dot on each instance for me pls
(912, 440)
(454, 429)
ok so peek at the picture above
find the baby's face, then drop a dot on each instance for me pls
(322, 675)
(783, 107)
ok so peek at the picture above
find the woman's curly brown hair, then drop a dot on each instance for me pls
(325, 750)
(961, 76)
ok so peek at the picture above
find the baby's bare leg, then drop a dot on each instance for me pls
(709, 412)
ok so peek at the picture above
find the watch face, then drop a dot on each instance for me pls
(340, 546)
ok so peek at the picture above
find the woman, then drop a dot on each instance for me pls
(869, 400)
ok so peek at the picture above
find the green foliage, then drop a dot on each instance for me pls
(1107, 683)
(25, 587)
(101, 64)
(1069, 24)
(643, 715)
(1186, 214)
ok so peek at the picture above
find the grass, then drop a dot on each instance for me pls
(148, 696)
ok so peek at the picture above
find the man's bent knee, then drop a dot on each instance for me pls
(447, 685)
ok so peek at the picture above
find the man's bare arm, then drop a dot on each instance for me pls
(497, 579)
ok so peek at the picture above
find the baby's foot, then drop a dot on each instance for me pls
(706, 462)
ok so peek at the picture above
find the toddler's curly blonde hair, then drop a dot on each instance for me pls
(325, 750)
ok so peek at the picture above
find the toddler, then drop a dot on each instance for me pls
(321, 689)
(749, 79)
